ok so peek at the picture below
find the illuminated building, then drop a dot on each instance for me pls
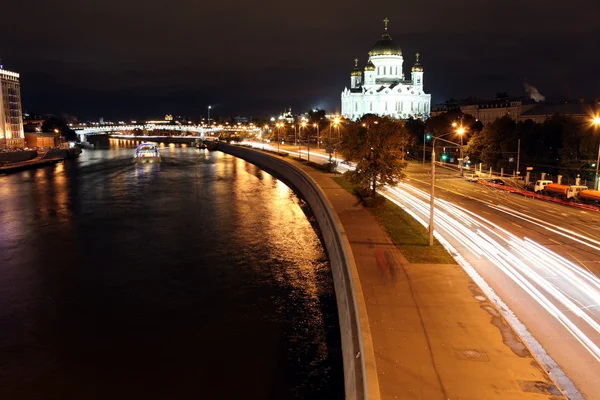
(11, 118)
(382, 88)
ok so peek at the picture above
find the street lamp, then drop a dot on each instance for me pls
(461, 132)
(426, 137)
(209, 107)
(303, 125)
(279, 126)
(432, 191)
(596, 124)
(262, 136)
(316, 125)
(335, 122)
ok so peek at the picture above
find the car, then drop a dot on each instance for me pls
(471, 178)
(496, 181)
(530, 186)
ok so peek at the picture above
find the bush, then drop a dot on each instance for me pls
(365, 195)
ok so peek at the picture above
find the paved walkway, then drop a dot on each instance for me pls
(435, 334)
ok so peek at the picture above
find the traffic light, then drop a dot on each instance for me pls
(444, 157)
(428, 137)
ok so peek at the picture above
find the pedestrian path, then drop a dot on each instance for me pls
(435, 335)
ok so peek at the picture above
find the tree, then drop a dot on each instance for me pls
(316, 116)
(55, 124)
(495, 143)
(377, 145)
(416, 128)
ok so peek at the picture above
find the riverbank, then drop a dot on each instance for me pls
(20, 161)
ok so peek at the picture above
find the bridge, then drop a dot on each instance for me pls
(186, 130)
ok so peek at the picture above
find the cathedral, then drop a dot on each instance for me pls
(382, 88)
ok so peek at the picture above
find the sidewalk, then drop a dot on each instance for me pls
(435, 334)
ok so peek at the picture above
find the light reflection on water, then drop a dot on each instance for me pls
(199, 275)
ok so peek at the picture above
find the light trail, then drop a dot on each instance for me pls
(568, 293)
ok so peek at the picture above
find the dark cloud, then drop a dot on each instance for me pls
(140, 58)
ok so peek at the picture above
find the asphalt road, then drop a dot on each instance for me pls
(552, 273)
(539, 260)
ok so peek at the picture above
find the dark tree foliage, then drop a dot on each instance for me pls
(560, 143)
(316, 116)
(377, 145)
(60, 125)
(416, 129)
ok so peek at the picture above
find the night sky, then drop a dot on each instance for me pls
(134, 58)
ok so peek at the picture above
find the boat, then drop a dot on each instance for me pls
(147, 153)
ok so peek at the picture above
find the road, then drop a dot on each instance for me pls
(539, 261)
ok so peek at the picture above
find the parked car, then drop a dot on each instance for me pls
(471, 178)
(496, 181)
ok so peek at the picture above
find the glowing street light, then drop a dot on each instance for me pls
(303, 125)
(432, 190)
(596, 125)
(279, 125)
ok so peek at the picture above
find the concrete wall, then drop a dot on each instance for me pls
(18, 156)
(358, 365)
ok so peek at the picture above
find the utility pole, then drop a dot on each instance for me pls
(424, 141)
(597, 162)
(431, 194)
(518, 157)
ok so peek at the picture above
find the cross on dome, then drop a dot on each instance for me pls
(356, 62)
(385, 22)
(417, 56)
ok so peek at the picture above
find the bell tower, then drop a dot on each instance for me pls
(417, 73)
(356, 76)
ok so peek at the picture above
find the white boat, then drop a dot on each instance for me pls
(147, 153)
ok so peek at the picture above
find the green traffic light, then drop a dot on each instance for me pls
(428, 137)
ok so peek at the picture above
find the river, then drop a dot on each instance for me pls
(200, 277)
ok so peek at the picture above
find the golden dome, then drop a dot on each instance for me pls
(417, 67)
(385, 46)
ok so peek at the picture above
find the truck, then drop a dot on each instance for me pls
(563, 191)
(589, 196)
(540, 185)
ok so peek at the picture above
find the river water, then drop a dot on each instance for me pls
(200, 277)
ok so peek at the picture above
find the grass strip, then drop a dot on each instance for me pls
(410, 236)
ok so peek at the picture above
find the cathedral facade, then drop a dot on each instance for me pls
(382, 88)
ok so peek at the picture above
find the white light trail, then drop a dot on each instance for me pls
(568, 292)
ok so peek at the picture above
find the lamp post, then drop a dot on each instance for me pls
(208, 122)
(279, 125)
(335, 122)
(316, 125)
(461, 132)
(596, 124)
(303, 125)
(425, 138)
(262, 136)
(432, 190)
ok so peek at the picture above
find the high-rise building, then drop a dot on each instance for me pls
(11, 116)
